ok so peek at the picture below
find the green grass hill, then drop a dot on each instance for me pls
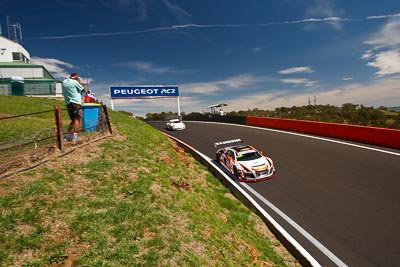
(133, 199)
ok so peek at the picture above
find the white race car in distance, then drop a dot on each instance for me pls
(175, 125)
(245, 162)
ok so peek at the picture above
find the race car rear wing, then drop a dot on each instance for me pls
(228, 142)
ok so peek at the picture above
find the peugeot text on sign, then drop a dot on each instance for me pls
(147, 91)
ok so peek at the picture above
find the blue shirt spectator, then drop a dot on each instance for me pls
(72, 90)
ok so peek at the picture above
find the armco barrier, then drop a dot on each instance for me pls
(369, 135)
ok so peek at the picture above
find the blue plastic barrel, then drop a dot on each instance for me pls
(90, 116)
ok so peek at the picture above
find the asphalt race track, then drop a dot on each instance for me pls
(341, 202)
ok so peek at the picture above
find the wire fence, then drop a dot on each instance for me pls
(28, 139)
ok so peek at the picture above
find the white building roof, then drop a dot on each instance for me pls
(9, 50)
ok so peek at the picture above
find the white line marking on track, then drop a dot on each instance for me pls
(288, 237)
(309, 237)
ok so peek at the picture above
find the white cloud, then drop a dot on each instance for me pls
(298, 81)
(139, 107)
(384, 16)
(178, 12)
(142, 10)
(367, 55)
(347, 78)
(58, 68)
(387, 62)
(55, 66)
(304, 69)
(382, 92)
(387, 37)
(240, 82)
(257, 49)
(148, 67)
(203, 88)
(385, 54)
(325, 8)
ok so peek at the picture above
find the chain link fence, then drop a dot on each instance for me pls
(27, 140)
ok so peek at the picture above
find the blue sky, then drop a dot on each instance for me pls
(245, 53)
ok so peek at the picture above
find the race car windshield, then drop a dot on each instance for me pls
(248, 155)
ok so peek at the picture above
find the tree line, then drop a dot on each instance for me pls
(348, 113)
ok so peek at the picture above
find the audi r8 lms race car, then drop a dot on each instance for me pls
(245, 162)
(175, 125)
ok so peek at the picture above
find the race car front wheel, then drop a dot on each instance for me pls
(235, 172)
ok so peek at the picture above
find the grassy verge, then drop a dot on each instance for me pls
(132, 200)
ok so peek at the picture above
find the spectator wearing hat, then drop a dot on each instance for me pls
(90, 98)
(72, 91)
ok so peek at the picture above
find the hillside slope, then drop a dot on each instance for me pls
(135, 199)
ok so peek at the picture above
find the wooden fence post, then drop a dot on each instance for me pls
(59, 132)
(107, 118)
